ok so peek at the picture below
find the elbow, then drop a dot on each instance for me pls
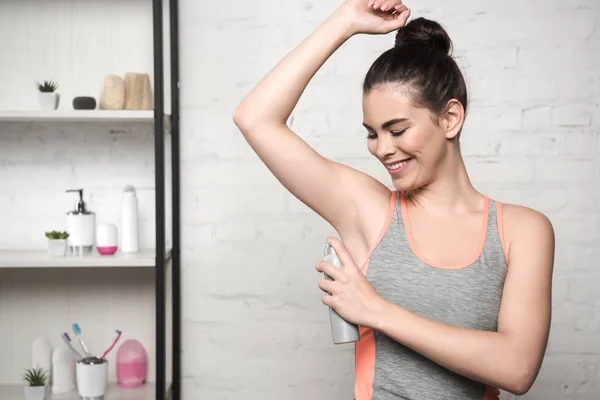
(519, 387)
(521, 380)
(241, 119)
(248, 120)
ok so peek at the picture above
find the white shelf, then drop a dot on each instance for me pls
(147, 392)
(37, 258)
(77, 115)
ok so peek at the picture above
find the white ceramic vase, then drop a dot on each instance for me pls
(57, 247)
(35, 392)
(48, 101)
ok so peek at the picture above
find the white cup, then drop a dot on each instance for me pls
(92, 376)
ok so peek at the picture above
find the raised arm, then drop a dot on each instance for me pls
(331, 189)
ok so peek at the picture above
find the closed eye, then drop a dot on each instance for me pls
(398, 133)
(394, 133)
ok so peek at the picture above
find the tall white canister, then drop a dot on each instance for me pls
(129, 221)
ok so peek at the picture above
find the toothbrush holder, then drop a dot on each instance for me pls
(92, 376)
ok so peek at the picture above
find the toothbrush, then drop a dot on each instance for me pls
(67, 339)
(77, 331)
(113, 344)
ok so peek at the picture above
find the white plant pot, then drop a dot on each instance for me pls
(48, 101)
(57, 247)
(35, 392)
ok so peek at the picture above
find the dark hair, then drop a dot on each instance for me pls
(421, 59)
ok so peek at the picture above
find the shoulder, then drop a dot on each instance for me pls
(523, 219)
(527, 229)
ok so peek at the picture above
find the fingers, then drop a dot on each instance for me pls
(331, 270)
(384, 5)
(329, 287)
(398, 21)
(400, 8)
(327, 300)
(402, 16)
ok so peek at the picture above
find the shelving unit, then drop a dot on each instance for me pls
(77, 116)
(39, 259)
(161, 261)
(15, 392)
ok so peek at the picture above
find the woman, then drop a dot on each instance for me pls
(451, 293)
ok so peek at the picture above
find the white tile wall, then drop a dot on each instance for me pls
(77, 43)
(254, 326)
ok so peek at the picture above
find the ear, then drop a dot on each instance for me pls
(453, 118)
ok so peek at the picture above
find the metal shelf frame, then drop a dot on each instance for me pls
(163, 391)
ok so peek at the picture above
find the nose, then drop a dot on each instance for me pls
(385, 146)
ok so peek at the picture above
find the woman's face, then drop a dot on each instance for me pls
(405, 138)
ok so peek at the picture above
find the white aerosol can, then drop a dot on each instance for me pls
(341, 330)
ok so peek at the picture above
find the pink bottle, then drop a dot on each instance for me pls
(131, 364)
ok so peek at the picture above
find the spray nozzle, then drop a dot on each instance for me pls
(329, 250)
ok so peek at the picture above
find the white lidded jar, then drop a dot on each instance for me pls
(129, 221)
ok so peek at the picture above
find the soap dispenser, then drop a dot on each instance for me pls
(81, 226)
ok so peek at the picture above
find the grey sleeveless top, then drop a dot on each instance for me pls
(464, 296)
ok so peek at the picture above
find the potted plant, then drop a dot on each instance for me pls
(57, 243)
(47, 95)
(36, 379)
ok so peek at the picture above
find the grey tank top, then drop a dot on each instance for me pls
(463, 296)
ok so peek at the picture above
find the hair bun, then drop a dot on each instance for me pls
(425, 32)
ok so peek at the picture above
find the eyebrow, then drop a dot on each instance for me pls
(389, 123)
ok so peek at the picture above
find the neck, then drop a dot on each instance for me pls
(450, 189)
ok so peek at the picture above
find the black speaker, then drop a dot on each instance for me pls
(84, 103)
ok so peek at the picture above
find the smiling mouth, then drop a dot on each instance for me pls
(398, 166)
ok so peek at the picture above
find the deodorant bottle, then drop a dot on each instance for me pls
(341, 330)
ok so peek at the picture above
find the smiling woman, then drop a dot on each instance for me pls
(452, 296)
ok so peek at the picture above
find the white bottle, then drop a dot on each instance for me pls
(129, 221)
(81, 226)
(63, 371)
(41, 354)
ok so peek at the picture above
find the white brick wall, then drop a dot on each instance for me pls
(254, 327)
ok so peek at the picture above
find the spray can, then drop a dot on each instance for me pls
(341, 330)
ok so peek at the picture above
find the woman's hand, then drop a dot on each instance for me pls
(351, 294)
(375, 16)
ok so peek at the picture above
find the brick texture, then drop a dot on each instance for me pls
(254, 326)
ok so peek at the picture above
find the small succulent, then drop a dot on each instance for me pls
(47, 86)
(35, 377)
(53, 235)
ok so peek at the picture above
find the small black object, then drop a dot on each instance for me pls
(84, 103)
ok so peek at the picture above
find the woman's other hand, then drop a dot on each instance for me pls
(375, 16)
